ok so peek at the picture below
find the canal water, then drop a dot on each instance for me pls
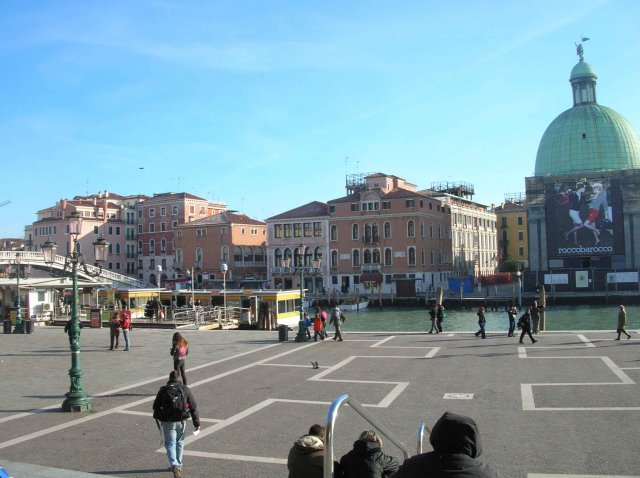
(584, 317)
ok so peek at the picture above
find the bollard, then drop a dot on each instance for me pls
(283, 333)
(28, 326)
(6, 325)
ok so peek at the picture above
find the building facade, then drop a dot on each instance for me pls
(583, 204)
(203, 245)
(513, 242)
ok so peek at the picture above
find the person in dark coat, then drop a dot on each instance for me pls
(481, 323)
(456, 446)
(432, 317)
(306, 456)
(512, 321)
(524, 322)
(367, 460)
(439, 316)
(622, 322)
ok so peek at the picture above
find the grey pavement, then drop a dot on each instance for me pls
(566, 406)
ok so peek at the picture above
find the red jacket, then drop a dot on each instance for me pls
(125, 317)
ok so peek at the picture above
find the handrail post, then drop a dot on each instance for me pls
(421, 429)
(332, 414)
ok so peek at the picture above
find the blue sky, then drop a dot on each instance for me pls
(266, 105)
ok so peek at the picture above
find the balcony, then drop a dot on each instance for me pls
(371, 240)
(371, 267)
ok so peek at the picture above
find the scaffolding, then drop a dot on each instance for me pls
(461, 189)
(356, 182)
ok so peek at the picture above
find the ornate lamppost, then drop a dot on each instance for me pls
(18, 271)
(300, 267)
(519, 274)
(224, 267)
(77, 399)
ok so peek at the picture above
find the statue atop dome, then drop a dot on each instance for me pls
(579, 50)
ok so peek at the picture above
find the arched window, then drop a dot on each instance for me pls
(179, 258)
(355, 232)
(277, 255)
(334, 232)
(387, 230)
(259, 255)
(308, 257)
(411, 229)
(376, 256)
(356, 258)
(375, 235)
(367, 233)
(412, 256)
(334, 258)
(387, 257)
(317, 253)
(152, 247)
(298, 257)
(367, 256)
(163, 246)
(247, 255)
(199, 257)
(237, 255)
(117, 248)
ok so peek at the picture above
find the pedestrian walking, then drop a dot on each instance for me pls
(337, 318)
(367, 460)
(173, 405)
(125, 320)
(512, 311)
(317, 328)
(307, 324)
(622, 322)
(114, 331)
(535, 317)
(179, 351)
(524, 323)
(432, 317)
(439, 317)
(481, 322)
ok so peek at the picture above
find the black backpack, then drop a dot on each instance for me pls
(172, 404)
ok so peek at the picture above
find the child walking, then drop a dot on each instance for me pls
(179, 350)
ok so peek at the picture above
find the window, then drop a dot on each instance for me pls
(152, 227)
(355, 206)
(201, 232)
(110, 229)
(409, 203)
(521, 251)
(163, 211)
(174, 210)
(386, 204)
(412, 256)
(202, 210)
(297, 229)
(317, 229)
(192, 209)
(152, 212)
(520, 235)
(95, 231)
(117, 230)
(355, 255)
(387, 257)
(287, 230)
(140, 214)
(355, 232)
(163, 226)
(367, 256)
(504, 222)
(431, 231)
(307, 229)
(376, 256)
(411, 229)
(387, 230)
(163, 246)
(140, 229)
(139, 247)
(334, 258)
(174, 224)
(332, 209)
(430, 205)
(519, 220)
(277, 231)
(152, 247)
(334, 233)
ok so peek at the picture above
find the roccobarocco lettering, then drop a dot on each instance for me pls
(585, 250)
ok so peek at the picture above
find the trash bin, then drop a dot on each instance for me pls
(6, 325)
(28, 326)
(283, 333)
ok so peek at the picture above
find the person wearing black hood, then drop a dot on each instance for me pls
(367, 460)
(456, 443)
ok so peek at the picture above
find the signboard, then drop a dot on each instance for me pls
(584, 218)
(556, 278)
(95, 320)
(622, 277)
(582, 279)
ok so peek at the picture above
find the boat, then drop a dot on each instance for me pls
(354, 304)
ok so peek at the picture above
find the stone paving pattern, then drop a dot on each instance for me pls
(257, 395)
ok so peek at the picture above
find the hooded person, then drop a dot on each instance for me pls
(306, 456)
(367, 460)
(456, 446)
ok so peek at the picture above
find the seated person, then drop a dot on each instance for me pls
(367, 460)
(306, 456)
(456, 443)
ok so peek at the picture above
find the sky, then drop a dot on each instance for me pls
(268, 105)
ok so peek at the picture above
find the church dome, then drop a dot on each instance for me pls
(588, 137)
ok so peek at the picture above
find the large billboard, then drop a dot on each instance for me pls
(584, 218)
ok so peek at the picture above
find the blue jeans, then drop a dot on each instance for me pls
(512, 327)
(125, 332)
(174, 441)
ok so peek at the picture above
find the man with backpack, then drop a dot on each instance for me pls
(337, 317)
(172, 407)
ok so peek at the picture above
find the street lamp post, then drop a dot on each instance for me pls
(77, 399)
(18, 272)
(224, 267)
(519, 274)
(159, 311)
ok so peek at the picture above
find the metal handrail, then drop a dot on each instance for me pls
(423, 426)
(332, 414)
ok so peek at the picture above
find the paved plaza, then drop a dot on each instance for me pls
(566, 406)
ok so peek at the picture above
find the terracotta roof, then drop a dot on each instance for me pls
(223, 218)
(312, 209)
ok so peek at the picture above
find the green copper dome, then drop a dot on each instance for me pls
(588, 137)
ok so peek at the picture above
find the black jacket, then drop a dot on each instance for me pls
(456, 443)
(366, 460)
(192, 407)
